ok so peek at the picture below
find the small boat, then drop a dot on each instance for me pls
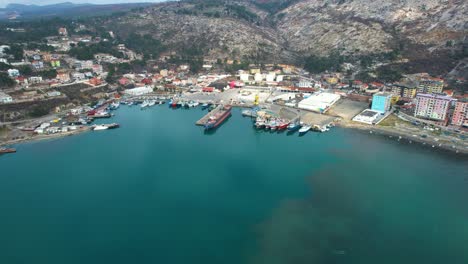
(114, 106)
(99, 127)
(205, 106)
(260, 124)
(283, 126)
(304, 129)
(105, 126)
(7, 150)
(145, 104)
(195, 104)
(250, 113)
(294, 126)
(273, 125)
(151, 103)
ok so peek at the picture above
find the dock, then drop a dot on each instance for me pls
(202, 121)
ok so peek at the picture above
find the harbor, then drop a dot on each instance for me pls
(161, 169)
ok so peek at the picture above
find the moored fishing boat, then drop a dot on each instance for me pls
(145, 104)
(4, 150)
(304, 129)
(151, 103)
(283, 125)
(114, 106)
(99, 127)
(104, 126)
(294, 126)
(205, 106)
(273, 125)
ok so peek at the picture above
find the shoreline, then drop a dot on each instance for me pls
(44, 137)
(380, 131)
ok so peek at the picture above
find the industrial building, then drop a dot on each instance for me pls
(319, 102)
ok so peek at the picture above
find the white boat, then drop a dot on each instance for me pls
(100, 127)
(145, 104)
(304, 129)
(151, 103)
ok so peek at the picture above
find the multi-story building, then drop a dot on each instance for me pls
(381, 102)
(433, 107)
(404, 89)
(460, 113)
(430, 85)
(409, 92)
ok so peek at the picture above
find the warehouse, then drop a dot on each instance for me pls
(319, 102)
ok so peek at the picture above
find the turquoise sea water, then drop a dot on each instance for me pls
(159, 190)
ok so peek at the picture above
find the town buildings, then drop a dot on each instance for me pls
(460, 113)
(139, 90)
(433, 107)
(404, 90)
(381, 102)
(430, 85)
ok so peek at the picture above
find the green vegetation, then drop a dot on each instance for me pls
(6, 81)
(40, 46)
(25, 70)
(35, 30)
(39, 110)
(274, 6)
(146, 45)
(241, 12)
(16, 51)
(317, 64)
(237, 66)
(83, 52)
(4, 66)
(388, 74)
(48, 74)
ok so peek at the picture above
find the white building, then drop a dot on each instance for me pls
(258, 77)
(78, 76)
(270, 77)
(279, 78)
(139, 90)
(5, 98)
(304, 84)
(244, 77)
(367, 117)
(13, 73)
(35, 79)
(319, 102)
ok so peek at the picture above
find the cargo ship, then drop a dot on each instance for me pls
(217, 118)
(7, 150)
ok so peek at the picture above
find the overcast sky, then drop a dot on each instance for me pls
(3, 3)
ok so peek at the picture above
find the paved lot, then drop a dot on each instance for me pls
(347, 109)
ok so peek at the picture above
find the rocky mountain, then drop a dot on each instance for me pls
(420, 31)
(64, 10)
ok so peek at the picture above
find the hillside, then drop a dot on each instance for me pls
(63, 10)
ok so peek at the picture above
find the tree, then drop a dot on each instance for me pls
(6, 81)
(16, 51)
(48, 74)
